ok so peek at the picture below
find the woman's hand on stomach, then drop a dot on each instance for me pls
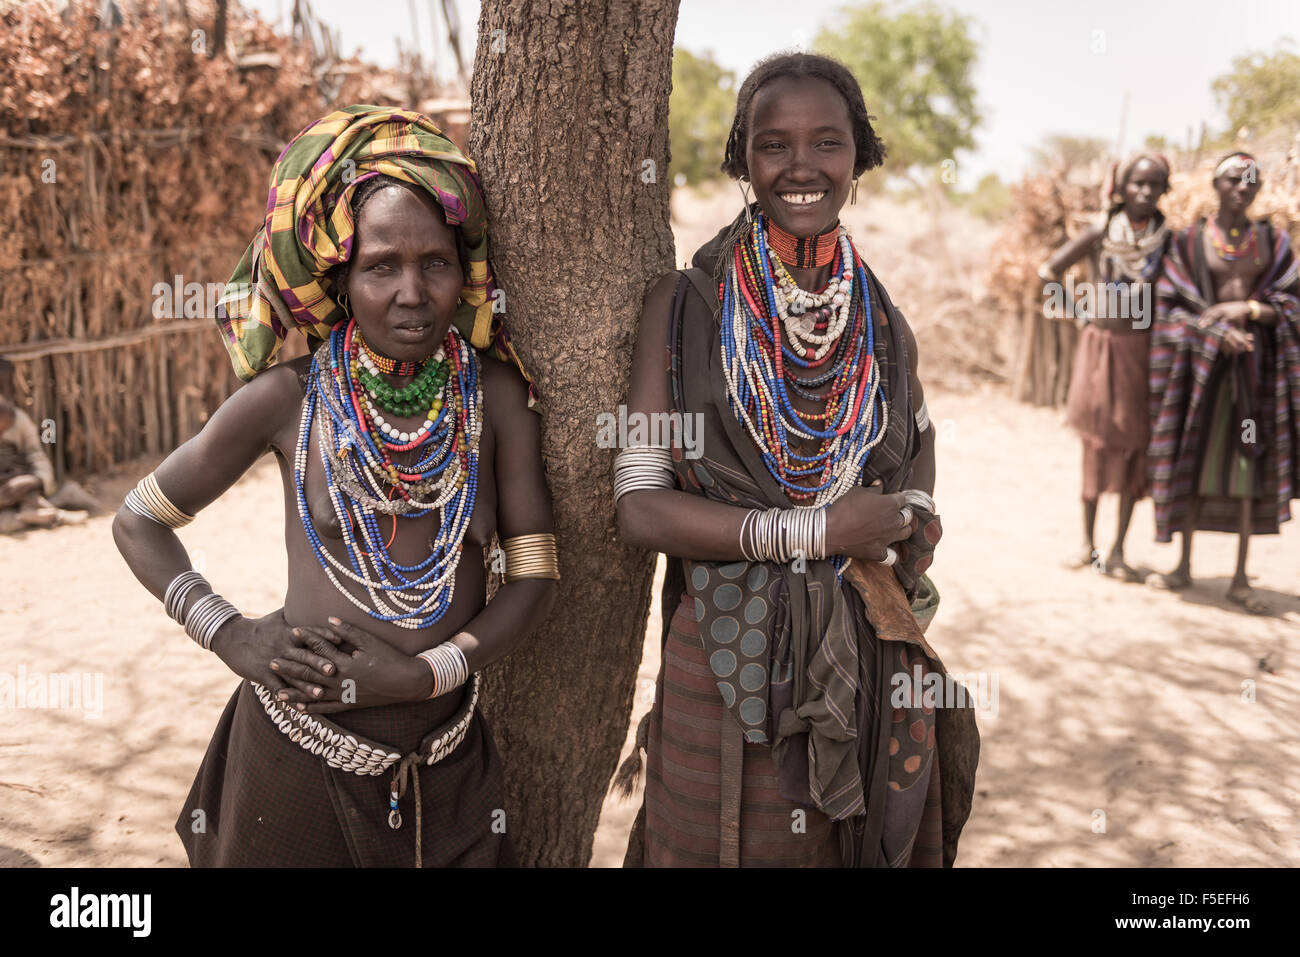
(366, 671)
(248, 646)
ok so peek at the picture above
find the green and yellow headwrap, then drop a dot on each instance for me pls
(281, 282)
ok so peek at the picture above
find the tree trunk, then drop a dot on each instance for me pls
(569, 129)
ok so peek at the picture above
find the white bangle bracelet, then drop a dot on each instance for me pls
(783, 534)
(205, 617)
(447, 662)
(643, 467)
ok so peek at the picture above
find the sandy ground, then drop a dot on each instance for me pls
(1113, 699)
(1129, 726)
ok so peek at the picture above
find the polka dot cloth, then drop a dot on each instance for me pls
(734, 610)
(911, 732)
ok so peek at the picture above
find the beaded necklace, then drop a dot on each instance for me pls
(388, 365)
(362, 478)
(424, 391)
(1226, 250)
(803, 252)
(766, 342)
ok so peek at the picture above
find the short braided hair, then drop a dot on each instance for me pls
(870, 151)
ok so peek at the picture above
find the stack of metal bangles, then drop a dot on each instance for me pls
(148, 501)
(783, 534)
(922, 417)
(203, 618)
(447, 662)
(643, 467)
(531, 556)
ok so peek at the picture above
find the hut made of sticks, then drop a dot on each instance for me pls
(136, 141)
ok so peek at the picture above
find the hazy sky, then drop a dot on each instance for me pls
(1044, 67)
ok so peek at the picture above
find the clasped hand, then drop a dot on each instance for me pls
(1235, 314)
(864, 522)
(321, 670)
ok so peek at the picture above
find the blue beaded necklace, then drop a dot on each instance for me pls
(361, 478)
(757, 364)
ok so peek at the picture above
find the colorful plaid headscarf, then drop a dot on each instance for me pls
(281, 282)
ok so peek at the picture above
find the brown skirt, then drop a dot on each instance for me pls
(260, 800)
(683, 792)
(683, 797)
(1108, 406)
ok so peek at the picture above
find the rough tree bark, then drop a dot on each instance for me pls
(569, 129)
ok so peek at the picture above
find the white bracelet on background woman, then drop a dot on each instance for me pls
(922, 417)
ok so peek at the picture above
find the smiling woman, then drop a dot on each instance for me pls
(404, 446)
(773, 739)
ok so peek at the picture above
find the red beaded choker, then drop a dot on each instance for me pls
(387, 365)
(803, 252)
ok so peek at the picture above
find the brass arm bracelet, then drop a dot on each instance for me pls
(147, 500)
(531, 556)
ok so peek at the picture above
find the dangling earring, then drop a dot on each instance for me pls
(744, 193)
(345, 304)
(853, 196)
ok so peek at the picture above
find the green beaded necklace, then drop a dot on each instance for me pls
(411, 399)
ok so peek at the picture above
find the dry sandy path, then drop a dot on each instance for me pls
(1111, 698)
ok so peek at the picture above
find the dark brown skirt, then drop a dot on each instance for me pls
(683, 796)
(1108, 407)
(259, 800)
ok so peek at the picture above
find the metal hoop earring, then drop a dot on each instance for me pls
(853, 196)
(744, 194)
(345, 304)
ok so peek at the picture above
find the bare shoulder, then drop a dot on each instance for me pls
(505, 392)
(659, 298)
(285, 380)
(254, 420)
(661, 290)
(274, 397)
(656, 308)
(271, 394)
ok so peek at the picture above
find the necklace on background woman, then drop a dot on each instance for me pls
(1226, 249)
(356, 449)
